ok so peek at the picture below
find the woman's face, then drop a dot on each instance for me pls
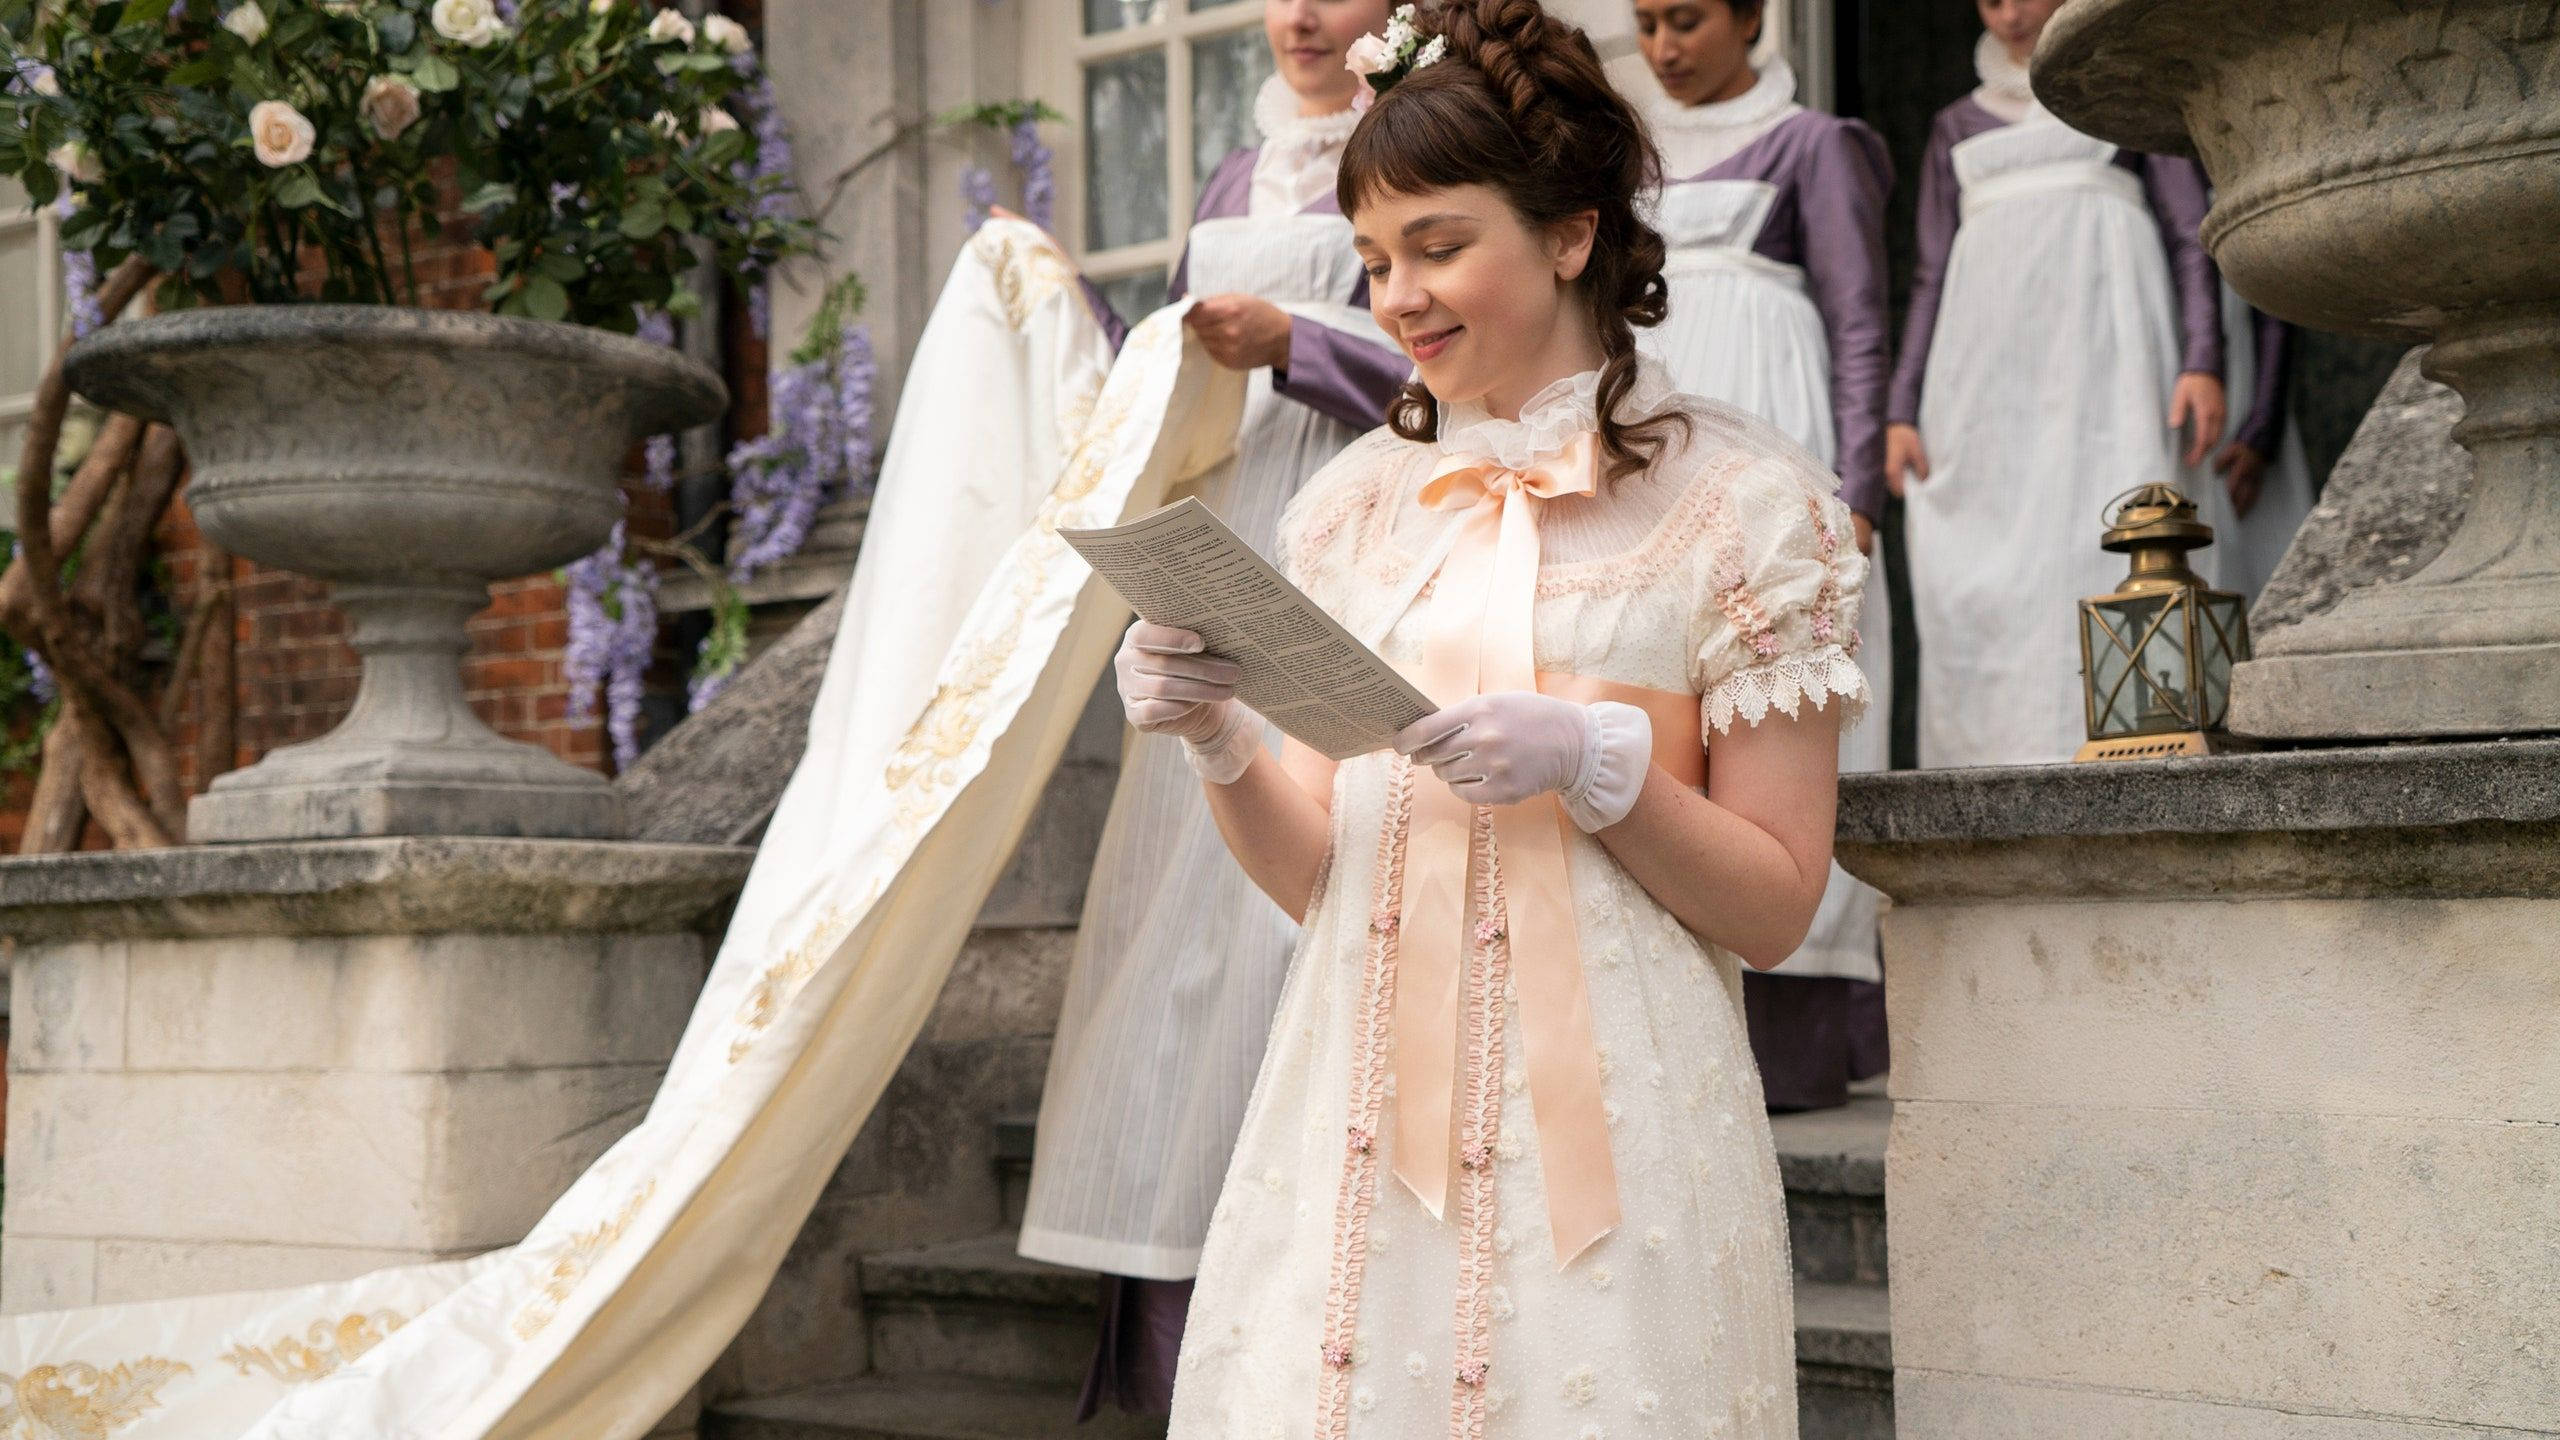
(2017, 23)
(1309, 40)
(1482, 302)
(1700, 50)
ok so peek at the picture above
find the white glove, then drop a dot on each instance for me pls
(1169, 687)
(1501, 749)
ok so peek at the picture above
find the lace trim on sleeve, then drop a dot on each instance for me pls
(1784, 684)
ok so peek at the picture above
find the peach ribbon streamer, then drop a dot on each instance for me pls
(1479, 640)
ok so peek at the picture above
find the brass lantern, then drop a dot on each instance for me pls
(2156, 656)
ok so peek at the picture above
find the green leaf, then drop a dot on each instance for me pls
(83, 230)
(399, 31)
(679, 215)
(545, 299)
(567, 269)
(143, 12)
(643, 219)
(724, 148)
(435, 74)
(195, 73)
(299, 191)
(491, 196)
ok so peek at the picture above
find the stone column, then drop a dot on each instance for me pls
(243, 1067)
(2227, 1094)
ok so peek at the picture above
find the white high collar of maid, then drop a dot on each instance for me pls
(1275, 114)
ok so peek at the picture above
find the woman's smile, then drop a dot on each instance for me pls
(1426, 346)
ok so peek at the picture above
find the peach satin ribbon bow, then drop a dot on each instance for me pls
(1479, 640)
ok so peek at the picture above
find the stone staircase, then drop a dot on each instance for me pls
(969, 1341)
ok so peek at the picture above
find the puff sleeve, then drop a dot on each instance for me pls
(1774, 614)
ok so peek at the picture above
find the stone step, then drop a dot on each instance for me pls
(1832, 1163)
(909, 1407)
(975, 1309)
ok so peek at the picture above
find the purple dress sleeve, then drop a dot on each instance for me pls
(2177, 190)
(1347, 378)
(2263, 431)
(1845, 178)
(1108, 318)
(1940, 214)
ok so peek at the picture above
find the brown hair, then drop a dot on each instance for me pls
(1520, 105)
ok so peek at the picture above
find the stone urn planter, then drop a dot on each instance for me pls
(2387, 168)
(410, 458)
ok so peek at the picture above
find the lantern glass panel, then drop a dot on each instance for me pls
(2168, 702)
(2224, 643)
(2131, 631)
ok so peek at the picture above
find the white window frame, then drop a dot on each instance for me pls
(1060, 51)
(47, 332)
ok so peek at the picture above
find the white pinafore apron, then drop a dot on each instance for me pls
(2259, 539)
(1743, 330)
(1179, 957)
(2047, 393)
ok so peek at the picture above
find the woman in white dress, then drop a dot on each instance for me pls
(1506, 1172)
(1775, 218)
(1178, 958)
(2065, 323)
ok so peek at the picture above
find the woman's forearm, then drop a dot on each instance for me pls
(1732, 883)
(1277, 830)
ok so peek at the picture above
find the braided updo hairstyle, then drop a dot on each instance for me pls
(1521, 106)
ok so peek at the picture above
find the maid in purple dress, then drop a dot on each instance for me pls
(2065, 325)
(1179, 959)
(1774, 215)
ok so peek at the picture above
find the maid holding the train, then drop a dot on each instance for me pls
(1774, 214)
(1178, 957)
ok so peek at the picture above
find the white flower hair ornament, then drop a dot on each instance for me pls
(1386, 58)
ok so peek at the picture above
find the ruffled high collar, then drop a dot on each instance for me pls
(2005, 91)
(1697, 138)
(1275, 114)
(1551, 419)
(1771, 96)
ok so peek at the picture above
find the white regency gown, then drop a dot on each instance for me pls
(1743, 330)
(1726, 571)
(1179, 958)
(2047, 394)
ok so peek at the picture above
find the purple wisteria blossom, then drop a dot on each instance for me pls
(857, 371)
(613, 628)
(978, 192)
(1033, 158)
(658, 328)
(776, 188)
(40, 682)
(79, 280)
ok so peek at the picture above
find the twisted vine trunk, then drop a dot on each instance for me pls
(110, 756)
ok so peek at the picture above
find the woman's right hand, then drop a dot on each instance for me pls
(1168, 686)
(1904, 455)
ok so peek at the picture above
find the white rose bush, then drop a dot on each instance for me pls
(283, 150)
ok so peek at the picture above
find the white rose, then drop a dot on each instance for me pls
(42, 80)
(666, 123)
(247, 21)
(602, 7)
(77, 161)
(390, 105)
(1368, 56)
(282, 134)
(343, 7)
(671, 25)
(1401, 33)
(471, 22)
(728, 34)
(715, 120)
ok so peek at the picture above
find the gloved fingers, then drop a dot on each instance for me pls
(1435, 729)
(1157, 639)
(1213, 669)
(1158, 716)
(1144, 685)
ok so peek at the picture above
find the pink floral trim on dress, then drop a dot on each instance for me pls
(1826, 601)
(1730, 585)
(1369, 1057)
(1479, 1125)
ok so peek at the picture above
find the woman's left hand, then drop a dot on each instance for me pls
(2199, 398)
(1241, 332)
(1503, 748)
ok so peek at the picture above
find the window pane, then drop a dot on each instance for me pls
(1135, 297)
(1124, 170)
(22, 349)
(1227, 71)
(1103, 16)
